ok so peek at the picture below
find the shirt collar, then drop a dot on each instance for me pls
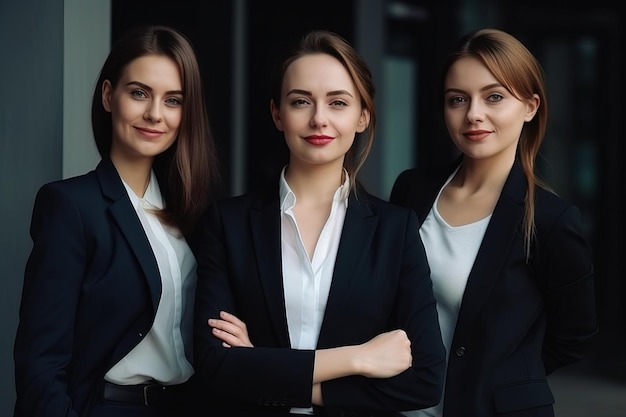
(288, 198)
(151, 197)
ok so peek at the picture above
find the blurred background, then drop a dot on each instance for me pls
(52, 50)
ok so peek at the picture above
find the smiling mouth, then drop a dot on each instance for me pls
(476, 135)
(318, 140)
(149, 133)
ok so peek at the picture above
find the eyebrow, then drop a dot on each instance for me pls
(487, 87)
(308, 93)
(147, 87)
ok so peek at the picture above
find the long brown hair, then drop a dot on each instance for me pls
(517, 69)
(326, 42)
(188, 170)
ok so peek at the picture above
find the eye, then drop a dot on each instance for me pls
(174, 101)
(456, 100)
(138, 94)
(299, 102)
(495, 97)
(338, 103)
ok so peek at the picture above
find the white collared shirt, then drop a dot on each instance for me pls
(161, 354)
(307, 282)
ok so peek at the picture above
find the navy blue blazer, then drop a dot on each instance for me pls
(381, 281)
(91, 290)
(518, 321)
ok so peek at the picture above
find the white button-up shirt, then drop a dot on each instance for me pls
(161, 354)
(307, 282)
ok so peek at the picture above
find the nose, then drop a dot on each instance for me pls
(475, 112)
(319, 119)
(153, 112)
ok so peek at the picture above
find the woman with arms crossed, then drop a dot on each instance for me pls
(318, 293)
(511, 270)
(106, 313)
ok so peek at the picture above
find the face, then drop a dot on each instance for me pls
(146, 108)
(320, 111)
(483, 119)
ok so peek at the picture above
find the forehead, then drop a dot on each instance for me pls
(467, 73)
(317, 71)
(155, 71)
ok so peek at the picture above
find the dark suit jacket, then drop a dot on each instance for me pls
(381, 281)
(91, 290)
(518, 321)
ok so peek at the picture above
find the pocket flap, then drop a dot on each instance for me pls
(522, 396)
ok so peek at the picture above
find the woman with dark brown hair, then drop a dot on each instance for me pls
(105, 324)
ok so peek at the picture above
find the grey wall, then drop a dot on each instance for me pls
(47, 73)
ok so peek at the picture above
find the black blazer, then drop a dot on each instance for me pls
(91, 290)
(381, 281)
(518, 321)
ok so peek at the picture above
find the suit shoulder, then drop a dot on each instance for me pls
(385, 208)
(550, 205)
(249, 199)
(553, 213)
(80, 185)
(406, 177)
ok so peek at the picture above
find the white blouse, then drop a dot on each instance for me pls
(163, 354)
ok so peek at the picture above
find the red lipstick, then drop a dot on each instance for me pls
(318, 139)
(476, 135)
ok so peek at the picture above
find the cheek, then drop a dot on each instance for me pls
(124, 111)
(174, 119)
(453, 119)
(294, 122)
(512, 120)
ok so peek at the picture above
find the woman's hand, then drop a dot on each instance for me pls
(384, 356)
(230, 330)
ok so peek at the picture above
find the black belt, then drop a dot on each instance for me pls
(323, 412)
(150, 394)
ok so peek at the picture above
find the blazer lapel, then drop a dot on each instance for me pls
(265, 225)
(356, 238)
(124, 214)
(502, 230)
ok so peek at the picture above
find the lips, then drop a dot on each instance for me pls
(149, 133)
(318, 140)
(477, 135)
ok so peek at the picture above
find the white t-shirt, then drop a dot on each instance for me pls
(451, 252)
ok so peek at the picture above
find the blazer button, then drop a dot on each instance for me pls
(460, 351)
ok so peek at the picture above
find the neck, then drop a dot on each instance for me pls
(478, 174)
(314, 182)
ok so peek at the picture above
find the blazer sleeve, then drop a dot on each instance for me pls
(565, 271)
(52, 282)
(277, 377)
(415, 311)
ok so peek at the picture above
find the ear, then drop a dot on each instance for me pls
(107, 90)
(364, 121)
(276, 116)
(532, 105)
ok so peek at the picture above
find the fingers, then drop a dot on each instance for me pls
(227, 327)
(231, 330)
(232, 319)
